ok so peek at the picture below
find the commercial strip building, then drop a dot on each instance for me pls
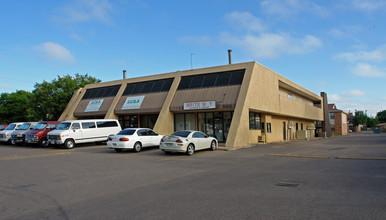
(239, 104)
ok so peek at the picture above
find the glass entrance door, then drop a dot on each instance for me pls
(219, 129)
(214, 124)
(218, 126)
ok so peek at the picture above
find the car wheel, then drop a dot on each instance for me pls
(137, 147)
(13, 142)
(118, 149)
(69, 143)
(190, 150)
(213, 145)
(43, 142)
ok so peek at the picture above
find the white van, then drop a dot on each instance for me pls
(5, 135)
(73, 132)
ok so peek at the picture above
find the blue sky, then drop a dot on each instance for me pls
(338, 47)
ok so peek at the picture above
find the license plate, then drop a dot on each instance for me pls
(114, 144)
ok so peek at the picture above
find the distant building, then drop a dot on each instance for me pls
(382, 126)
(338, 120)
(350, 121)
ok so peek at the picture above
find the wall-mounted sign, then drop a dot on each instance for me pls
(133, 102)
(94, 105)
(199, 105)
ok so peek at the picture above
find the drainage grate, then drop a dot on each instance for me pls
(289, 184)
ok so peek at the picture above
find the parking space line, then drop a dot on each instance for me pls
(77, 148)
(301, 156)
(362, 158)
(169, 158)
(33, 156)
(278, 147)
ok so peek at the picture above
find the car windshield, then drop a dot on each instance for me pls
(127, 132)
(24, 126)
(10, 127)
(40, 126)
(63, 126)
(182, 133)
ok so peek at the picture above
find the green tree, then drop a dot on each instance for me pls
(17, 107)
(381, 116)
(51, 98)
(360, 118)
(371, 122)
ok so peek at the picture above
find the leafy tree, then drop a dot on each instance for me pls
(17, 107)
(360, 118)
(381, 116)
(51, 98)
(372, 122)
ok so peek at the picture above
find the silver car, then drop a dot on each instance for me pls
(187, 142)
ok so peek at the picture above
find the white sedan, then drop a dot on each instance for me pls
(187, 142)
(133, 138)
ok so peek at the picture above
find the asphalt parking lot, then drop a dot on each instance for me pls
(342, 177)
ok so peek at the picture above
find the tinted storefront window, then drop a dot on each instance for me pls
(214, 124)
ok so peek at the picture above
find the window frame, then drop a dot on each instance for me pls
(254, 121)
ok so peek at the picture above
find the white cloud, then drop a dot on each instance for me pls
(85, 10)
(287, 8)
(334, 98)
(76, 37)
(199, 40)
(357, 99)
(5, 87)
(245, 20)
(368, 5)
(272, 45)
(346, 31)
(260, 43)
(54, 51)
(354, 93)
(377, 55)
(366, 70)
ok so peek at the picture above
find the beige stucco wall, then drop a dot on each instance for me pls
(262, 91)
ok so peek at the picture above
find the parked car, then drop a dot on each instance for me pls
(134, 138)
(18, 136)
(187, 142)
(2, 127)
(5, 135)
(38, 135)
(73, 132)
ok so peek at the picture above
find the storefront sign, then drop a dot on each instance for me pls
(94, 105)
(133, 102)
(199, 105)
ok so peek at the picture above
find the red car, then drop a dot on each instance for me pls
(2, 127)
(38, 135)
